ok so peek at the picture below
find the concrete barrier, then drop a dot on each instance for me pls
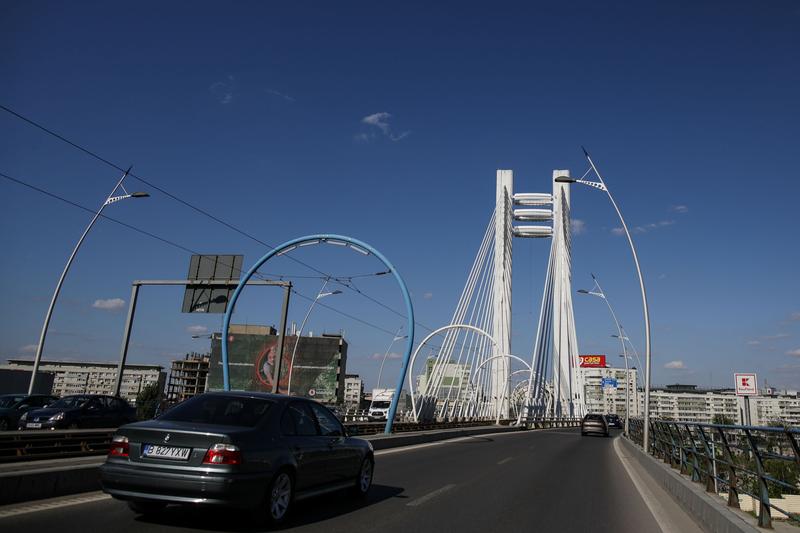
(708, 511)
(35, 480)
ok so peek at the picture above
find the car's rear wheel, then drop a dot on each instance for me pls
(365, 474)
(279, 497)
(146, 508)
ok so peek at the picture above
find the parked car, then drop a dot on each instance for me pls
(80, 411)
(13, 406)
(244, 449)
(614, 421)
(594, 423)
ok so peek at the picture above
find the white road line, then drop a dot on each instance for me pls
(504, 461)
(661, 515)
(413, 447)
(50, 504)
(430, 496)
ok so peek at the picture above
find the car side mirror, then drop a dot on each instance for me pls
(23, 407)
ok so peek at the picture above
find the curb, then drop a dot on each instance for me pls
(711, 514)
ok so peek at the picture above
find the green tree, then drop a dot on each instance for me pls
(147, 401)
(722, 420)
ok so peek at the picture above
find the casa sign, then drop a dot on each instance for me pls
(746, 384)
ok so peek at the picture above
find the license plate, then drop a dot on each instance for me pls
(166, 452)
(33, 425)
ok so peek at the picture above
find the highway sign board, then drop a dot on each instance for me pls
(609, 382)
(746, 384)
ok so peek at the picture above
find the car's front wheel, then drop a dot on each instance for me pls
(279, 497)
(146, 508)
(364, 479)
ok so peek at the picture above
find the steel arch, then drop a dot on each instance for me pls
(358, 246)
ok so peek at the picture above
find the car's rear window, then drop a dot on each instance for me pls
(594, 417)
(220, 410)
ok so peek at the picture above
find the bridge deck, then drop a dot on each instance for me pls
(540, 481)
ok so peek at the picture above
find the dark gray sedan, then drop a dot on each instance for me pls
(244, 449)
(594, 423)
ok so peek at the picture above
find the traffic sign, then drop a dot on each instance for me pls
(746, 384)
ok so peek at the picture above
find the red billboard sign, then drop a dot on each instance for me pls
(592, 361)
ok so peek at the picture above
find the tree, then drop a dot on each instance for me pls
(147, 401)
(723, 420)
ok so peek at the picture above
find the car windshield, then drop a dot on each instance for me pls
(10, 401)
(380, 405)
(220, 410)
(69, 402)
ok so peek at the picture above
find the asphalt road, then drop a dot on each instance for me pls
(530, 481)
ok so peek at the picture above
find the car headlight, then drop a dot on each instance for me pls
(23, 417)
(56, 417)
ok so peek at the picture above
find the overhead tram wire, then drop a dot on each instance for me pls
(178, 246)
(194, 207)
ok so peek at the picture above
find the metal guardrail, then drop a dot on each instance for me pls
(53, 444)
(762, 462)
(18, 446)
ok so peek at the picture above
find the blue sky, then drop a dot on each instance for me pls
(387, 123)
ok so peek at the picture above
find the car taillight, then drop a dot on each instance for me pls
(223, 454)
(119, 446)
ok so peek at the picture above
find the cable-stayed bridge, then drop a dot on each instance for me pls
(473, 374)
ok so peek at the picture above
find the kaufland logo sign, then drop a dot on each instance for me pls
(746, 384)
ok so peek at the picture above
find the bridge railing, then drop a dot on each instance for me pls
(761, 462)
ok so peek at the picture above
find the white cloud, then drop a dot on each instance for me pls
(196, 330)
(776, 336)
(795, 352)
(111, 304)
(675, 365)
(753, 342)
(679, 209)
(644, 228)
(662, 276)
(392, 355)
(381, 122)
(29, 348)
(223, 90)
(428, 295)
(578, 226)
(280, 95)
(795, 316)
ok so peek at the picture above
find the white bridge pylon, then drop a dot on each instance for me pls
(469, 376)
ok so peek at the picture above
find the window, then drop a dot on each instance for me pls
(304, 424)
(287, 424)
(220, 410)
(329, 425)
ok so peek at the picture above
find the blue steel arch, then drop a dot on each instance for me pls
(322, 238)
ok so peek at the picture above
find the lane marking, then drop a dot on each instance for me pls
(662, 517)
(49, 505)
(504, 461)
(430, 496)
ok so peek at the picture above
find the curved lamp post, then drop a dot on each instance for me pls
(602, 186)
(320, 295)
(600, 294)
(397, 337)
(110, 200)
(338, 240)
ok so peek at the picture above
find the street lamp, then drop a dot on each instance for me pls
(109, 200)
(602, 186)
(396, 338)
(320, 295)
(600, 294)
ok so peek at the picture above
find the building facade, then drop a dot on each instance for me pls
(187, 377)
(76, 377)
(353, 391)
(605, 390)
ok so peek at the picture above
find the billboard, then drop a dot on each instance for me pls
(592, 361)
(746, 384)
(204, 297)
(319, 365)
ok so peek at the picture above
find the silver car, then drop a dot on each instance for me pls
(594, 423)
(243, 449)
